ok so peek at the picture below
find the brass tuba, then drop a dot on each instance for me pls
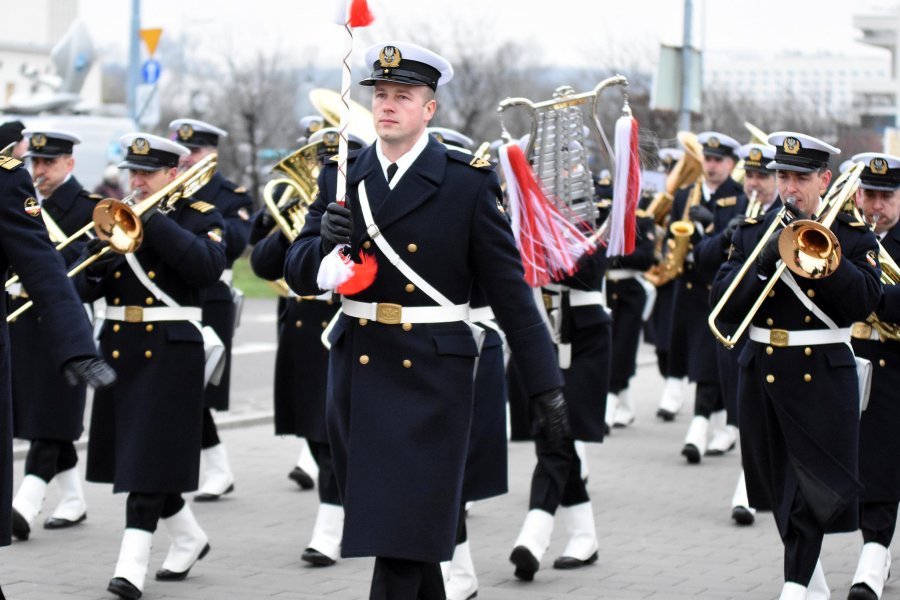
(813, 233)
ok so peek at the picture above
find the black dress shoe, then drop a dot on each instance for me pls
(665, 415)
(213, 497)
(167, 575)
(742, 516)
(316, 558)
(123, 588)
(860, 591)
(526, 564)
(55, 523)
(691, 453)
(301, 478)
(569, 562)
(20, 528)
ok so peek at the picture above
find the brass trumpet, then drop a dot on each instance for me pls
(118, 222)
(795, 240)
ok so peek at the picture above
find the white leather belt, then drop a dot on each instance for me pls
(481, 314)
(586, 298)
(227, 276)
(394, 314)
(620, 274)
(782, 338)
(139, 314)
(864, 331)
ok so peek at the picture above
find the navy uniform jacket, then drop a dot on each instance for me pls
(879, 444)
(25, 247)
(625, 299)
(799, 406)
(301, 361)
(44, 405)
(587, 378)
(145, 429)
(235, 205)
(398, 429)
(691, 337)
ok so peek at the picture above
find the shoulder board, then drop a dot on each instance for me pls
(604, 181)
(10, 163)
(605, 203)
(642, 214)
(202, 206)
(729, 201)
(95, 197)
(472, 161)
(749, 221)
(240, 190)
(851, 220)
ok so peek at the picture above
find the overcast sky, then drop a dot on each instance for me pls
(565, 31)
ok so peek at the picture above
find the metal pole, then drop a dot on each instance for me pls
(684, 115)
(134, 58)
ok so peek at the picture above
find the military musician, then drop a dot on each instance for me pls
(46, 409)
(798, 391)
(401, 367)
(879, 199)
(145, 431)
(235, 205)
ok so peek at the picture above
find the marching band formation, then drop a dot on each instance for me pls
(767, 285)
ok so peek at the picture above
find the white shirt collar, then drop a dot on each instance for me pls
(404, 162)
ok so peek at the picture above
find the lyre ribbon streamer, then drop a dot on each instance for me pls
(627, 187)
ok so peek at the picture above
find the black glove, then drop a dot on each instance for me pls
(729, 230)
(551, 415)
(768, 256)
(337, 224)
(701, 214)
(99, 267)
(92, 371)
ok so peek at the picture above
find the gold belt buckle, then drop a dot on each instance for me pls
(388, 313)
(861, 331)
(134, 314)
(778, 338)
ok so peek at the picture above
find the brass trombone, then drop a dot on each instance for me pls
(802, 245)
(119, 223)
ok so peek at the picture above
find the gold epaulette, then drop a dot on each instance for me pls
(479, 163)
(857, 224)
(729, 201)
(240, 190)
(202, 206)
(604, 181)
(605, 203)
(10, 163)
(750, 221)
(642, 214)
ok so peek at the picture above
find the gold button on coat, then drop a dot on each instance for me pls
(770, 322)
(770, 378)
(807, 319)
(807, 377)
(116, 328)
(412, 248)
(148, 354)
(151, 274)
(407, 363)
(771, 293)
(115, 354)
(298, 323)
(769, 350)
(363, 322)
(116, 301)
(367, 244)
(149, 301)
(881, 362)
(410, 288)
(689, 285)
(364, 359)
(117, 274)
(324, 324)
(407, 326)
(149, 327)
(807, 351)
(811, 293)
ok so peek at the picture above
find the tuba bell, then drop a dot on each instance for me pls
(298, 190)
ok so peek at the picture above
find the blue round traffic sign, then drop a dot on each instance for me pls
(150, 70)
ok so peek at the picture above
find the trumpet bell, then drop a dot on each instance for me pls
(809, 249)
(117, 223)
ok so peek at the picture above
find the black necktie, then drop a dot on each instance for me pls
(391, 171)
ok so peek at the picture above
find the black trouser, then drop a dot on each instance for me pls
(143, 511)
(557, 477)
(877, 521)
(210, 436)
(461, 533)
(46, 458)
(400, 579)
(802, 542)
(708, 399)
(328, 487)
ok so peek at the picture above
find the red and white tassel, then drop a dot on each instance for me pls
(627, 187)
(549, 239)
